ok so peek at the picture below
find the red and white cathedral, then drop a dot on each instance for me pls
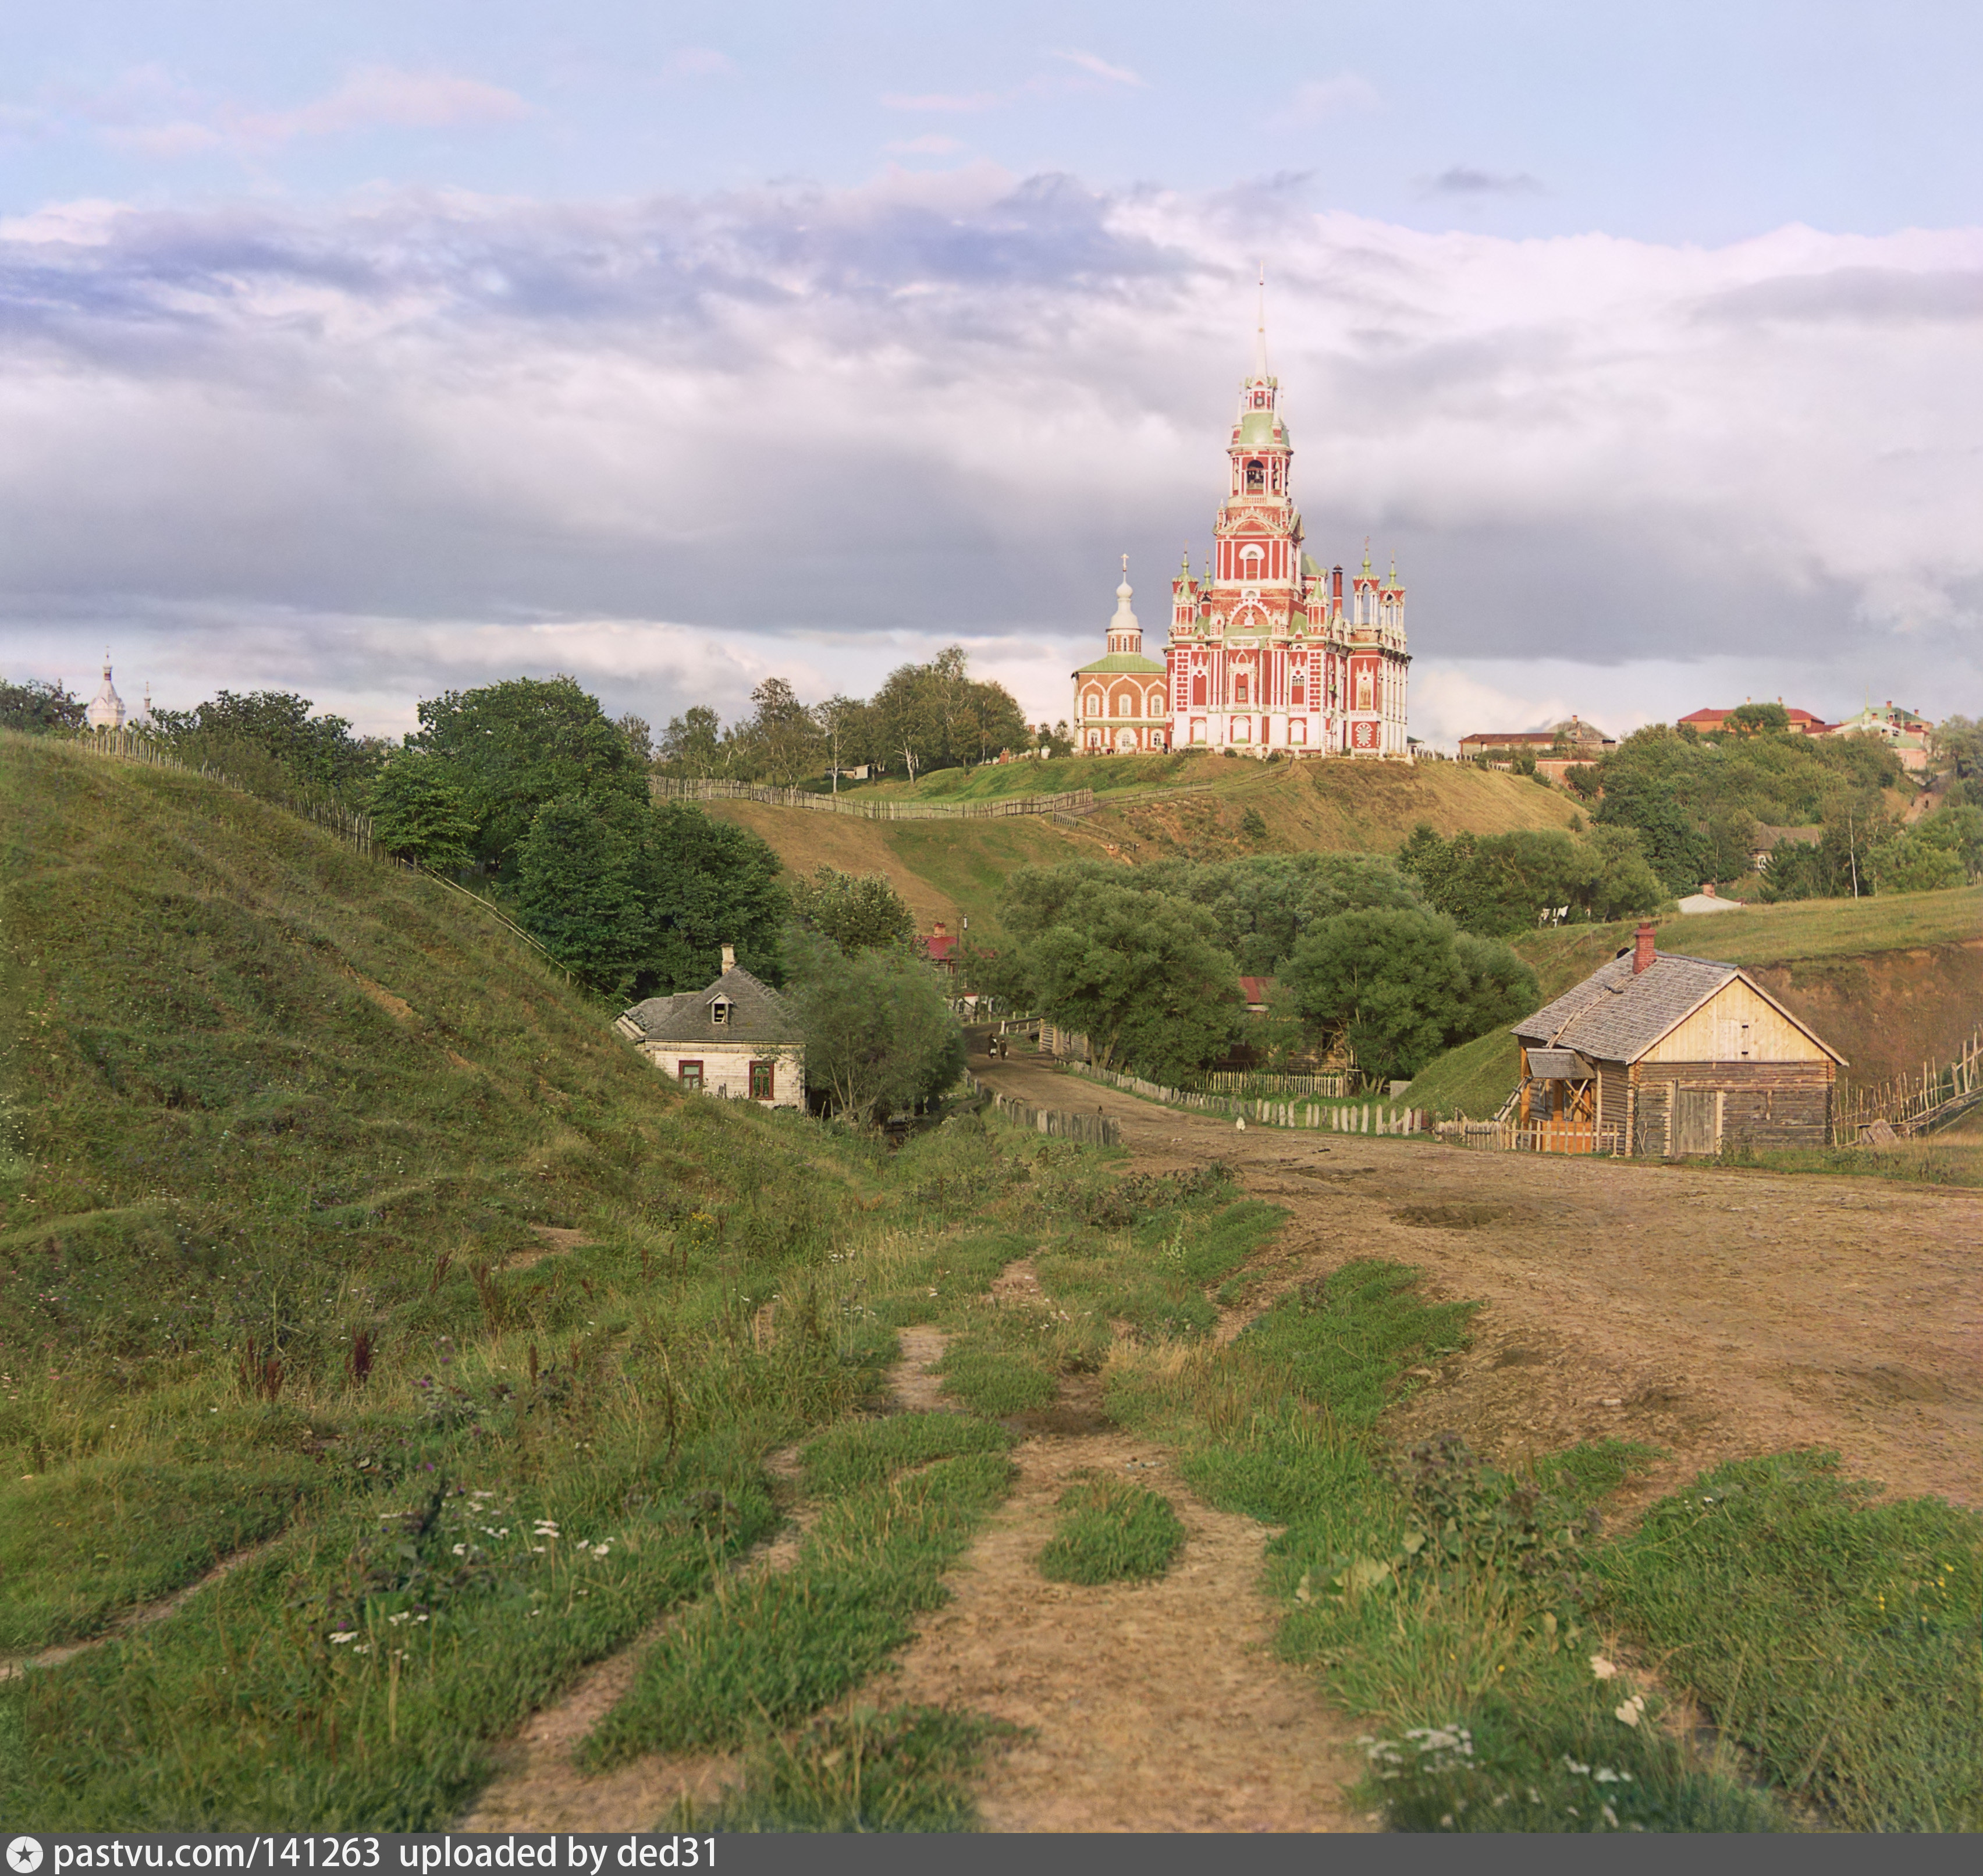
(1268, 655)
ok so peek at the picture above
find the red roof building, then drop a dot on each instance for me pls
(1706, 722)
(939, 947)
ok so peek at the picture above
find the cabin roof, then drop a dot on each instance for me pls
(757, 1014)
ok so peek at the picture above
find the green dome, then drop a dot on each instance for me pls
(1256, 431)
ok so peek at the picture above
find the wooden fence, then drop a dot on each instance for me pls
(1333, 1085)
(1094, 1129)
(870, 807)
(1914, 1103)
(1370, 1117)
(1504, 1136)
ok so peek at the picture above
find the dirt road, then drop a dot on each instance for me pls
(1715, 1314)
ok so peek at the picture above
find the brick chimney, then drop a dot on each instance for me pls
(1642, 948)
(729, 959)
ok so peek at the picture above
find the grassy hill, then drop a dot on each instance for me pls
(1889, 982)
(1148, 808)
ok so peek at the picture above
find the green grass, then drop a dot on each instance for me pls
(776, 1648)
(990, 1377)
(1110, 1532)
(1473, 1079)
(862, 1452)
(1839, 1640)
(908, 1769)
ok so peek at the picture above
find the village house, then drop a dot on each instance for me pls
(1662, 1055)
(942, 948)
(1909, 736)
(1556, 750)
(737, 1038)
(1708, 722)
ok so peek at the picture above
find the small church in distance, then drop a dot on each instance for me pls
(1268, 655)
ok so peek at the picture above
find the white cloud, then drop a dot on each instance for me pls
(676, 442)
(1101, 68)
(376, 97)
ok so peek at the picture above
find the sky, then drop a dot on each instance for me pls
(372, 351)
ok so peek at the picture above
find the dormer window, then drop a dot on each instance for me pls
(719, 1012)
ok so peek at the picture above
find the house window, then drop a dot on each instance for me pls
(689, 1074)
(761, 1081)
(719, 1012)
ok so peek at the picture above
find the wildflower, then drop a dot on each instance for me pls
(1603, 1668)
(1610, 1817)
(1571, 1765)
(1632, 1710)
(461, 1549)
(405, 1615)
(344, 1634)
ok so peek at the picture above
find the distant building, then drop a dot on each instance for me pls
(1910, 737)
(1118, 699)
(1659, 1055)
(1706, 722)
(941, 947)
(1706, 900)
(106, 709)
(1578, 742)
(737, 1038)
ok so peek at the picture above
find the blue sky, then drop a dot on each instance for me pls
(367, 349)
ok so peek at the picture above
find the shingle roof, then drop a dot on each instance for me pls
(1618, 1016)
(757, 1014)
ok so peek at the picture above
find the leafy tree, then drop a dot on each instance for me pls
(520, 744)
(1142, 974)
(1502, 883)
(1757, 719)
(1676, 848)
(709, 883)
(420, 811)
(269, 742)
(1956, 828)
(879, 1035)
(640, 737)
(858, 914)
(1500, 989)
(1387, 982)
(1959, 741)
(782, 741)
(578, 869)
(692, 745)
(39, 707)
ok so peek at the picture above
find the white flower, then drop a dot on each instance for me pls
(345, 1634)
(1632, 1710)
(1610, 1817)
(1603, 1668)
(461, 1549)
(405, 1615)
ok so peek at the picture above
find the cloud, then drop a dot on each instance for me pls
(426, 439)
(1339, 96)
(1100, 69)
(929, 145)
(1460, 180)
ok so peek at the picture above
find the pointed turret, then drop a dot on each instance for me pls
(106, 709)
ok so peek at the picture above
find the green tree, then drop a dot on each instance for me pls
(1956, 828)
(879, 1036)
(782, 740)
(691, 745)
(858, 914)
(709, 883)
(1393, 983)
(419, 811)
(520, 744)
(270, 742)
(1757, 719)
(1142, 974)
(578, 869)
(39, 706)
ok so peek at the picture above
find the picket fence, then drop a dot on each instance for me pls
(1503, 1136)
(1916, 1103)
(1094, 1129)
(1079, 801)
(1367, 1117)
(1331, 1086)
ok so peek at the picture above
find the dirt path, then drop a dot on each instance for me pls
(1154, 1707)
(143, 1616)
(1715, 1314)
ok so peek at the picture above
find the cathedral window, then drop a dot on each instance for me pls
(1239, 688)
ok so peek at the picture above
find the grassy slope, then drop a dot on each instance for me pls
(1888, 982)
(1150, 807)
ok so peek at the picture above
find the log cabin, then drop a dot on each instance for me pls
(1668, 1056)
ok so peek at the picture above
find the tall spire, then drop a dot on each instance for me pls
(1260, 329)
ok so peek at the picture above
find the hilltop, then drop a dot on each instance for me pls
(1148, 808)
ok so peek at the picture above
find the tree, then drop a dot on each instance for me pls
(269, 741)
(692, 745)
(579, 870)
(879, 1036)
(862, 914)
(1142, 974)
(39, 706)
(520, 744)
(419, 811)
(710, 883)
(640, 737)
(782, 740)
(1383, 981)
(1758, 719)
(935, 715)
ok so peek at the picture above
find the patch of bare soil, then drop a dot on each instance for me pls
(1152, 1707)
(555, 1239)
(143, 1616)
(1720, 1315)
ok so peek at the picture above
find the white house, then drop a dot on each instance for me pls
(737, 1037)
